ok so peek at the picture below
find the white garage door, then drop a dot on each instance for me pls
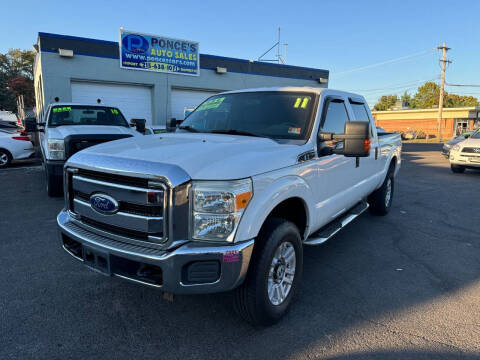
(135, 102)
(186, 100)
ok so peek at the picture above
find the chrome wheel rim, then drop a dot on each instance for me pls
(3, 158)
(388, 193)
(281, 273)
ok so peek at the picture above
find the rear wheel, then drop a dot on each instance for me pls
(5, 158)
(380, 200)
(53, 183)
(457, 169)
(274, 275)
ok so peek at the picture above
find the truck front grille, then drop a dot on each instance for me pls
(141, 211)
(471, 150)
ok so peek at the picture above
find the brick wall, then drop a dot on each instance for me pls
(428, 126)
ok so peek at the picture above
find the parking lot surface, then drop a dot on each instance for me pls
(404, 286)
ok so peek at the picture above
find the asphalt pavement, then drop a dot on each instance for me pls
(404, 286)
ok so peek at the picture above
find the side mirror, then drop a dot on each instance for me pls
(139, 124)
(467, 136)
(356, 139)
(31, 125)
(171, 124)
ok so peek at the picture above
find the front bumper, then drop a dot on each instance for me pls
(468, 160)
(55, 167)
(191, 268)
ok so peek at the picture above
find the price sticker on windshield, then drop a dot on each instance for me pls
(301, 102)
(61, 109)
(114, 111)
(211, 104)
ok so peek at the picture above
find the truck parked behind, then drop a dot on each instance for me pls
(65, 128)
(230, 200)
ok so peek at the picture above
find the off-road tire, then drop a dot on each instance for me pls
(251, 299)
(380, 200)
(457, 169)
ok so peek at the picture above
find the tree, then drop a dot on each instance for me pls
(386, 102)
(427, 95)
(16, 78)
(407, 99)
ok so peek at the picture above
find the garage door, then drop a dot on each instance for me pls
(133, 101)
(184, 101)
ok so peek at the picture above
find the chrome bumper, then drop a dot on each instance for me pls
(191, 268)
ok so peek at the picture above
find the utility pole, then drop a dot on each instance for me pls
(442, 89)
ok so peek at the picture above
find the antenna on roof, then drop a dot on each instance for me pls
(280, 58)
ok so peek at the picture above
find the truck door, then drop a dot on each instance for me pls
(336, 178)
(371, 166)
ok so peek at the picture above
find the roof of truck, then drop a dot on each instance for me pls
(309, 89)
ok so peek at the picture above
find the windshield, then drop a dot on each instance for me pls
(86, 115)
(272, 114)
(476, 135)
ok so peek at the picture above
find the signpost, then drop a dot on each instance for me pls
(158, 53)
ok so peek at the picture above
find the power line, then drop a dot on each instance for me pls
(397, 86)
(391, 61)
(448, 84)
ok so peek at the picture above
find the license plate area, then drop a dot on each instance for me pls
(96, 260)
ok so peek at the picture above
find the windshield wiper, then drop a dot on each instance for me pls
(188, 128)
(235, 132)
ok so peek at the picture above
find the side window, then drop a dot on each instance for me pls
(335, 118)
(360, 112)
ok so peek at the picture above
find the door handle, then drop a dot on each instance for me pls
(376, 152)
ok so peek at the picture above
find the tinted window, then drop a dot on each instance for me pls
(335, 118)
(277, 114)
(360, 112)
(85, 115)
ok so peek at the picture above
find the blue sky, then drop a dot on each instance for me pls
(339, 36)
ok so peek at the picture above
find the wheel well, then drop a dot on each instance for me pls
(8, 152)
(393, 163)
(292, 209)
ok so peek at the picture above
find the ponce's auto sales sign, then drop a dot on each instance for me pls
(158, 53)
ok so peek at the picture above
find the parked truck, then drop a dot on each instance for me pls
(230, 200)
(65, 128)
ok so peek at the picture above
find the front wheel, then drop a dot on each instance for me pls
(5, 158)
(380, 200)
(457, 169)
(274, 275)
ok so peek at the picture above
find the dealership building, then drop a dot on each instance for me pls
(82, 70)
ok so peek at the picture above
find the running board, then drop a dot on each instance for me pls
(336, 225)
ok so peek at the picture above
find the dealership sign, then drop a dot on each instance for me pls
(158, 53)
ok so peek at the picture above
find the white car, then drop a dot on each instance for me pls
(466, 154)
(14, 146)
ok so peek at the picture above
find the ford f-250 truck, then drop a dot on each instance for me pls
(228, 201)
(65, 128)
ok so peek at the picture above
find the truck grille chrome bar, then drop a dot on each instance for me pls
(142, 212)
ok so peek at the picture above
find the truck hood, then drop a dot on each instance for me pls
(470, 142)
(61, 132)
(201, 156)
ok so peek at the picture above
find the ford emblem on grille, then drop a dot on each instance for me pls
(103, 204)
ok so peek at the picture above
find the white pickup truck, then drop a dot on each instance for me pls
(466, 154)
(65, 128)
(229, 200)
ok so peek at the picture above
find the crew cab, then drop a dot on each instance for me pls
(65, 128)
(466, 154)
(229, 200)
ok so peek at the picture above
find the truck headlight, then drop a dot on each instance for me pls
(456, 148)
(56, 149)
(218, 207)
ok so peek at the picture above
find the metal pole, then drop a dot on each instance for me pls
(442, 90)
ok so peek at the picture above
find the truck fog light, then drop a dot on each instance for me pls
(209, 226)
